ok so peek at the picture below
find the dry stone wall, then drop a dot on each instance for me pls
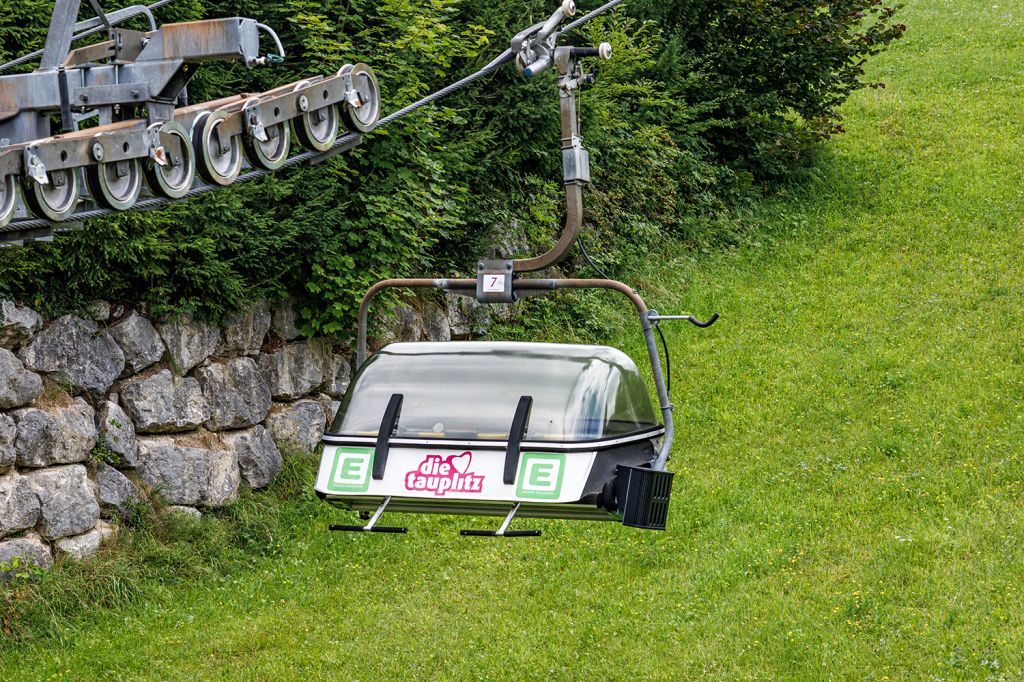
(100, 412)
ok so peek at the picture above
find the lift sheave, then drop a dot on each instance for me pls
(99, 126)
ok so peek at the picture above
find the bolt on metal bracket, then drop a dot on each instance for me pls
(35, 167)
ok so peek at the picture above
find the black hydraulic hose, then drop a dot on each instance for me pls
(593, 265)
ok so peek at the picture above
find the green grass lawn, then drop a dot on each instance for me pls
(849, 497)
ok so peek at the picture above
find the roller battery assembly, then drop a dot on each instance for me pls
(99, 126)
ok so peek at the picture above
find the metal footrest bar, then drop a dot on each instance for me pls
(503, 531)
(371, 526)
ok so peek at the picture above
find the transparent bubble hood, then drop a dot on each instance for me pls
(470, 390)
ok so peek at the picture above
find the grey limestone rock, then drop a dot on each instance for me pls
(189, 341)
(293, 371)
(236, 392)
(17, 324)
(183, 510)
(67, 501)
(85, 545)
(466, 317)
(243, 332)
(98, 311)
(296, 427)
(139, 341)
(284, 321)
(435, 324)
(8, 434)
(19, 506)
(337, 375)
(18, 386)
(55, 434)
(258, 456)
(330, 407)
(117, 433)
(164, 403)
(408, 325)
(30, 549)
(116, 491)
(76, 352)
(190, 471)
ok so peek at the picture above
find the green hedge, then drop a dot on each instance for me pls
(712, 99)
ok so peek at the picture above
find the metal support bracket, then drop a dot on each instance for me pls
(575, 161)
(494, 281)
(371, 525)
(503, 531)
(253, 123)
(352, 96)
(100, 14)
(157, 152)
(35, 168)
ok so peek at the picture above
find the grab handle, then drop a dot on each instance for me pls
(689, 318)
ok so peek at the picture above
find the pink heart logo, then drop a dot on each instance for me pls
(461, 462)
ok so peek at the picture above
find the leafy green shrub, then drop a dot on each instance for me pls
(769, 76)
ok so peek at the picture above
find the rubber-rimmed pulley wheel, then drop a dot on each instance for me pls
(316, 128)
(219, 158)
(56, 200)
(272, 154)
(8, 198)
(174, 179)
(361, 118)
(116, 184)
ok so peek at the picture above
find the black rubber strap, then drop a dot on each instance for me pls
(515, 438)
(387, 428)
(704, 325)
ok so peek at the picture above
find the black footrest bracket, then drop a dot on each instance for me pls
(371, 526)
(503, 531)
(364, 529)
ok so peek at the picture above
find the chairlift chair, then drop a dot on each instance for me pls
(477, 427)
(535, 430)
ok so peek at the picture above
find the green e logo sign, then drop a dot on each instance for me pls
(540, 475)
(351, 470)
